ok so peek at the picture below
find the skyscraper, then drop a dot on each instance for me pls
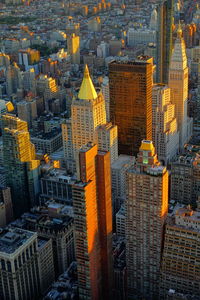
(165, 135)
(185, 179)
(88, 123)
(180, 269)
(22, 169)
(178, 82)
(13, 79)
(131, 103)
(146, 211)
(164, 39)
(73, 46)
(6, 201)
(19, 271)
(93, 224)
(88, 112)
(26, 268)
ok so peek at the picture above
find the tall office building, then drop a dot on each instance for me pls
(106, 94)
(88, 123)
(146, 211)
(88, 112)
(19, 271)
(108, 140)
(73, 46)
(178, 82)
(13, 79)
(22, 169)
(26, 264)
(104, 208)
(165, 135)
(27, 110)
(180, 270)
(131, 103)
(6, 206)
(185, 179)
(165, 11)
(47, 87)
(93, 224)
(53, 221)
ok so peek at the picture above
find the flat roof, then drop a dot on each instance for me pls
(13, 238)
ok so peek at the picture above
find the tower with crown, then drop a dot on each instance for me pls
(178, 82)
(88, 124)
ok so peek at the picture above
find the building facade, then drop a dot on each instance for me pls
(21, 166)
(19, 270)
(131, 103)
(178, 83)
(146, 211)
(180, 270)
(93, 224)
(165, 14)
(88, 123)
(185, 179)
(73, 46)
(165, 135)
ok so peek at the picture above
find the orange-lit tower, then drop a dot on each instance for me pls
(104, 205)
(146, 211)
(93, 223)
(130, 86)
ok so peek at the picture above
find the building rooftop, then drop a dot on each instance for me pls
(147, 145)
(13, 239)
(123, 160)
(184, 217)
(87, 90)
(67, 285)
(59, 175)
(42, 242)
(53, 216)
(46, 135)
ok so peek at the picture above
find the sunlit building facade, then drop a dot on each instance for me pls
(131, 103)
(73, 46)
(88, 123)
(146, 211)
(178, 82)
(165, 135)
(21, 166)
(93, 224)
(180, 271)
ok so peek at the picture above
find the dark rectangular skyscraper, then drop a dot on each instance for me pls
(131, 103)
(164, 39)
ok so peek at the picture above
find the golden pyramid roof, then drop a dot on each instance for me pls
(87, 90)
(147, 145)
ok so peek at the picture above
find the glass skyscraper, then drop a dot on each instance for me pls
(131, 103)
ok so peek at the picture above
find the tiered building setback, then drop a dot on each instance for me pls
(165, 135)
(178, 82)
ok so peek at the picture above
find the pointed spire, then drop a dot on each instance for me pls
(179, 52)
(179, 30)
(87, 90)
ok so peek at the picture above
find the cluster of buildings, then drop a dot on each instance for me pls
(99, 151)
